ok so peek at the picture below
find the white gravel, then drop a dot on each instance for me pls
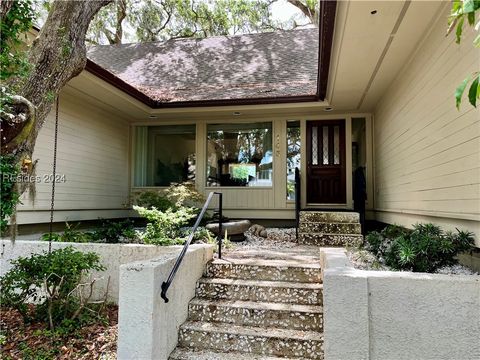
(276, 238)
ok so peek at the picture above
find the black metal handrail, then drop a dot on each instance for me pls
(166, 284)
(298, 200)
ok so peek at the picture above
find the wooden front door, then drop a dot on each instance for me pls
(326, 168)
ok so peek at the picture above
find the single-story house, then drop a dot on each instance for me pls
(371, 87)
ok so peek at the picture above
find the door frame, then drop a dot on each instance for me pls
(348, 163)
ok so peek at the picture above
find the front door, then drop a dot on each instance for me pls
(326, 168)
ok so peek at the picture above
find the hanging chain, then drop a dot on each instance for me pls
(54, 173)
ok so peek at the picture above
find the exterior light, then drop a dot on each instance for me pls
(152, 116)
(328, 108)
(237, 113)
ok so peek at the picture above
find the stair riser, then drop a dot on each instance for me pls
(299, 296)
(268, 273)
(261, 345)
(329, 240)
(330, 228)
(329, 217)
(257, 317)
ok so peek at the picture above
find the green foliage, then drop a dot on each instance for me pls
(184, 194)
(111, 231)
(163, 20)
(163, 227)
(9, 170)
(461, 10)
(59, 271)
(153, 199)
(423, 249)
(17, 21)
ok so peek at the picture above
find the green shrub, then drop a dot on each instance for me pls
(174, 197)
(153, 199)
(164, 227)
(48, 280)
(111, 231)
(9, 197)
(70, 234)
(424, 249)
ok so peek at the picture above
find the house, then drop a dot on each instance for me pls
(373, 87)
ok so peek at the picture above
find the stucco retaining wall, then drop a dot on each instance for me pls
(148, 327)
(111, 255)
(398, 315)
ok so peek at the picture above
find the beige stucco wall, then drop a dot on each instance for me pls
(93, 154)
(111, 256)
(397, 315)
(147, 326)
(427, 154)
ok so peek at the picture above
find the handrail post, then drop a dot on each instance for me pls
(298, 200)
(220, 223)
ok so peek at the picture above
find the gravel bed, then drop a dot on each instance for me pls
(276, 238)
(365, 260)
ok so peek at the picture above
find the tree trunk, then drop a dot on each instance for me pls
(57, 55)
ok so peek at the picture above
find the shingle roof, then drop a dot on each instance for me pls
(265, 65)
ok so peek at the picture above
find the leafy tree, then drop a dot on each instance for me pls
(461, 10)
(33, 75)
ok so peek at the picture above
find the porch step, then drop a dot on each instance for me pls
(265, 291)
(260, 269)
(321, 239)
(261, 314)
(251, 340)
(187, 354)
(330, 228)
(329, 216)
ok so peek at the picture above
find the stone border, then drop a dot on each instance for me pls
(111, 256)
(397, 315)
(148, 327)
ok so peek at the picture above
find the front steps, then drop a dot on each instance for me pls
(327, 228)
(256, 307)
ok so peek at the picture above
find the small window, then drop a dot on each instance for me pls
(164, 155)
(239, 154)
(293, 156)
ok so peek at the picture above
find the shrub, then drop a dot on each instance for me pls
(111, 231)
(152, 199)
(173, 197)
(70, 234)
(423, 249)
(163, 227)
(9, 197)
(48, 280)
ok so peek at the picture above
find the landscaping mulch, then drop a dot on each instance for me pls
(33, 341)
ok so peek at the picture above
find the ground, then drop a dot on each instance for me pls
(34, 341)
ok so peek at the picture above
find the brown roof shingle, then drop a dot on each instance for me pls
(265, 65)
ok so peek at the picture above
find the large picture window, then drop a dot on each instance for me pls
(164, 155)
(239, 154)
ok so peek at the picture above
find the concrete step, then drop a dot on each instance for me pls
(259, 269)
(189, 354)
(266, 291)
(252, 340)
(262, 314)
(321, 239)
(329, 216)
(330, 228)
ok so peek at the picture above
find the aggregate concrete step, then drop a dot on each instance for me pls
(189, 354)
(252, 340)
(261, 314)
(330, 228)
(321, 239)
(329, 216)
(259, 269)
(266, 291)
